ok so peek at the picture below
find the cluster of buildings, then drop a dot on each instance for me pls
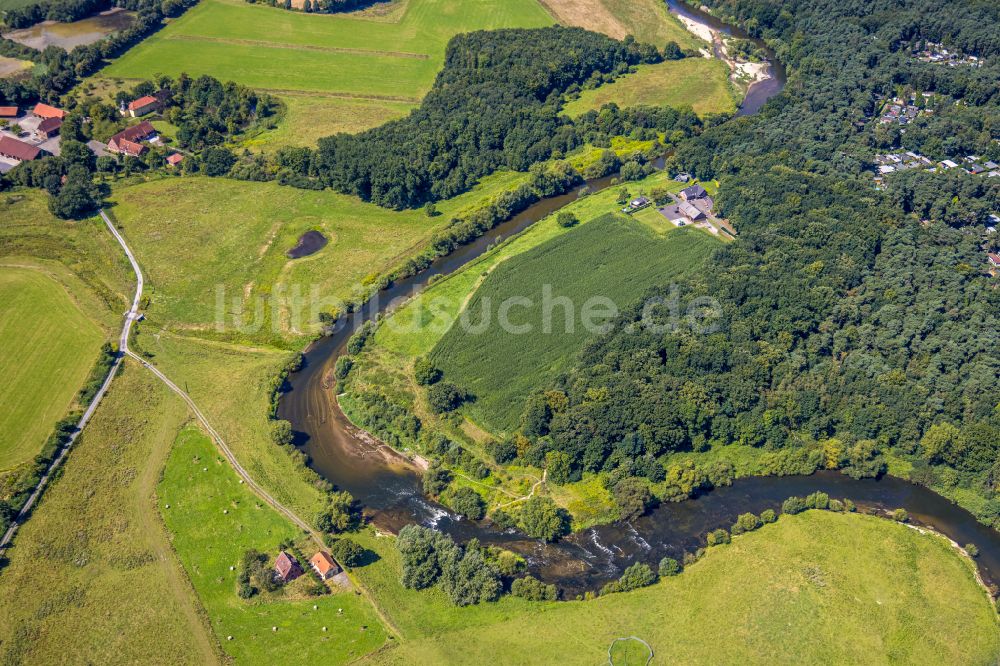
(894, 162)
(287, 568)
(937, 53)
(35, 133)
(692, 205)
(30, 135)
(902, 112)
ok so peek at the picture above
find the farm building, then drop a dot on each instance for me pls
(8, 112)
(17, 150)
(45, 111)
(49, 128)
(127, 141)
(323, 565)
(694, 192)
(173, 159)
(286, 568)
(142, 106)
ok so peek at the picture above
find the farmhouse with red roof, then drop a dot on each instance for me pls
(142, 106)
(286, 568)
(46, 111)
(323, 565)
(127, 141)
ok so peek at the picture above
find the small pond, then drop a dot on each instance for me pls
(310, 242)
(70, 35)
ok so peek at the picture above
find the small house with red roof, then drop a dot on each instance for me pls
(143, 105)
(994, 260)
(45, 111)
(8, 112)
(286, 568)
(323, 565)
(173, 159)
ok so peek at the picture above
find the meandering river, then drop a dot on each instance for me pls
(388, 484)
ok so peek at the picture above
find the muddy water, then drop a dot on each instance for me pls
(310, 242)
(70, 35)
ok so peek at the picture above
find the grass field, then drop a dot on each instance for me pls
(47, 347)
(214, 520)
(814, 588)
(613, 259)
(230, 384)
(233, 237)
(309, 118)
(647, 20)
(92, 577)
(85, 250)
(696, 82)
(389, 64)
(63, 286)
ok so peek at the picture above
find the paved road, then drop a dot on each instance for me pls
(130, 317)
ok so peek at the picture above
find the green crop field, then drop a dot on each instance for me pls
(207, 241)
(613, 259)
(390, 64)
(700, 83)
(92, 577)
(63, 293)
(214, 519)
(47, 347)
(814, 588)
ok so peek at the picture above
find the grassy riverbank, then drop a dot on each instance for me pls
(817, 587)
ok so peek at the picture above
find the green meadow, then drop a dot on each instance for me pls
(233, 237)
(213, 519)
(813, 588)
(63, 289)
(700, 83)
(602, 267)
(388, 62)
(92, 577)
(47, 347)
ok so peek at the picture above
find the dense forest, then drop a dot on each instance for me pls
(854, 323)
(494, 105)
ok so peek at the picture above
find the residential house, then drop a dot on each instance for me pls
(694, 192)
(45, 111)
(682, 177)
(49, 128)
(8, 112)
(143, 105)
(323, 565)
(173, 159)
(948, 164)
(286, 568)
(636, 204)
(18, 151)
(994, 260)
(127, 142)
